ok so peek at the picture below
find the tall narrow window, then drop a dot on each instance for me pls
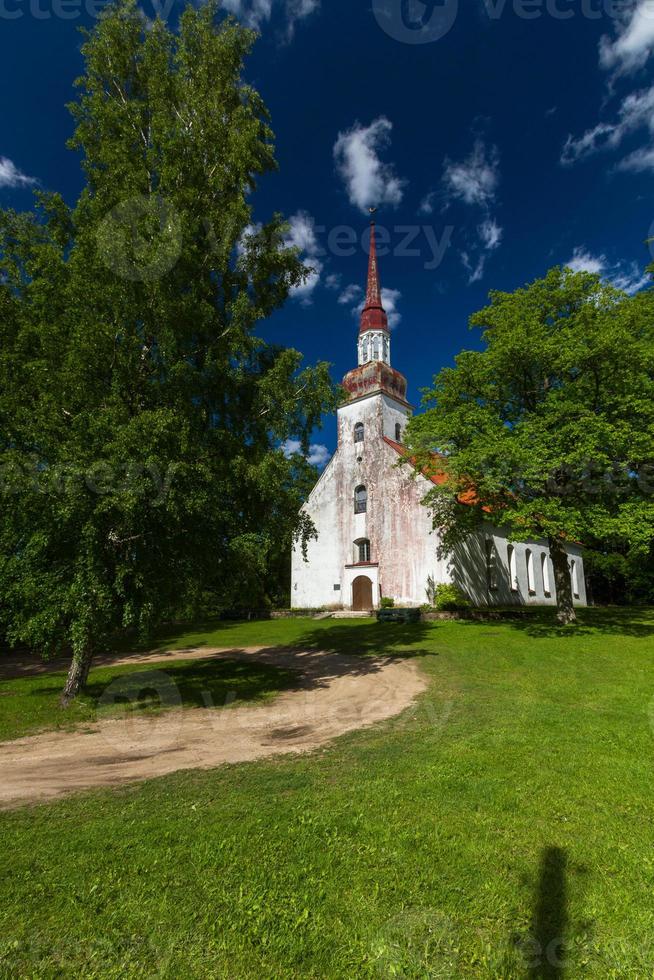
(375, 348)
(531, 579)
(362, 550)
(358, 432)
(491, 565)
(513, 568)
(360, 500)
(545, 567)
(574, 574)
(398, 432)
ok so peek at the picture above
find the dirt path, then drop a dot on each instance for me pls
(336, 694)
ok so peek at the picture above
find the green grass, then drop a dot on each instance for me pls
(511, 810)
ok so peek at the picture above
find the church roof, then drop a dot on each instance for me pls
(438, 477)
(373, 315)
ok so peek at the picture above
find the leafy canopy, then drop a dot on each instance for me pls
(551, 425)
(141, 417)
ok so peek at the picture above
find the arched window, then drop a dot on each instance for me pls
(491, 564)
(364, 350)
(545, 568)
(362, 550)
(358, 432)
(360, 500)
(398, 432)
(375, 348)
(531, 580)
(575, 578)
(513, 568)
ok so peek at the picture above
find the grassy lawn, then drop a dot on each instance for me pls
(501, 828)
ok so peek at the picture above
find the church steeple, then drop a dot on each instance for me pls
(373, 315)
(374, 375)
(374, 336)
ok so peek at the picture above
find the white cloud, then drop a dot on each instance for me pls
(351, 294)
(318, 454)
(632, 46)
(255, 13)
(627, 277)
(11, 176)
(302, 235)
(475, 179)
(390, 299)
(368, 180)
(490, 234)
(426, 206)
(636, 112)
(583, 261)
(475, 269)
(333, 281)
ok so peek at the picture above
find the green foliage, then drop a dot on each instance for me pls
(449, 598)
(549, 428)
(386, 602)
(412, 848)
(141, 418)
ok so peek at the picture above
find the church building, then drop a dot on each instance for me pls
(375, 537)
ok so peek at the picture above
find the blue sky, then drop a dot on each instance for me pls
(498, 137)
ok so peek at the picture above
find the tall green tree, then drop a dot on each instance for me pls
(549, 429)
(141, 417)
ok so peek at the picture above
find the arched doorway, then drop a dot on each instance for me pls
(361, 593)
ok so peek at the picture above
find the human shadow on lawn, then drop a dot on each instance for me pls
(550, 918)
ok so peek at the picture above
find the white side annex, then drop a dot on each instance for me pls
(375, 537)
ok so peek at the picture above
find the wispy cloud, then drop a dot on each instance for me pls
(635, 113)
(11, 176)
(473, 180)
(625, 276)
(256, 13)
(633, 42)
(318, 454)
(369, 181)
(302, 235)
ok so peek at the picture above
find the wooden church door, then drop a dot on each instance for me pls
(361, 593)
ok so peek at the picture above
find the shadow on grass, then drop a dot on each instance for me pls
(614, 621)
(196, 684)
(550, 917)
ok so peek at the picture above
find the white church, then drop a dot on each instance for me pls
(375, 537)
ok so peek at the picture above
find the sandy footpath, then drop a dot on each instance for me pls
(335, 694)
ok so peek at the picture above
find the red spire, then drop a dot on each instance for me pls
(373, 316)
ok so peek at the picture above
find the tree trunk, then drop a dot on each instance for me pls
(77, 676)
(564, 604)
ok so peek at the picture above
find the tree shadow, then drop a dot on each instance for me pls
(550, 917)
(195, 684)
(616, 621)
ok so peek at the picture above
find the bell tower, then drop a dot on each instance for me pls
(374, 374)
